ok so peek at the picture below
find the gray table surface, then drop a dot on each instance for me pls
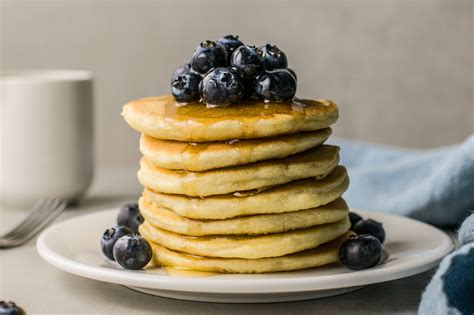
(42, 289)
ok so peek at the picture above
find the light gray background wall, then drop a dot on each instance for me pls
(401, 71)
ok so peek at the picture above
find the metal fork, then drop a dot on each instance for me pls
(42, 213)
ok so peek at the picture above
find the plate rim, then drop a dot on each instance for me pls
(216, 284)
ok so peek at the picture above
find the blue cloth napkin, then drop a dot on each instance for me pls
(435, 186)
(451, 291)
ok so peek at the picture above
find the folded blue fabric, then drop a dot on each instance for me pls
(435, 186)
(451, 291)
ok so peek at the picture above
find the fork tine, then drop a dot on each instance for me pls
(59, 206)
(36, 226)
(41, 213)
(5, 243)
(47, 208)
(36, 211)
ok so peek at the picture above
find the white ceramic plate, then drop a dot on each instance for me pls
(412, 246)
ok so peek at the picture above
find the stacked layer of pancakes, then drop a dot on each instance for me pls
(248, 188)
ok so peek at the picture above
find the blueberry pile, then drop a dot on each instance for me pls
(123, 244)
(365, 249)
(226, 71)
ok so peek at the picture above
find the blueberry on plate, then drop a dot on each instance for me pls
(370, 227)
(10, 308)
(111, 236)
(273, 58)
(230, 43)
(184, 69)
(354, 218)
(248, 60)
(129, 215)
(207, 56)
(293, 73)
(360, 252)
(278, 86)
(185, 88)
(132, 252)
(222, 86)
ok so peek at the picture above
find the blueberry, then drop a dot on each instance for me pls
(111, 236)
(207, 56)
(361, 252)
(184, 69)
(222, 86)
(230, 43)
(10, 308)
(370, 227)
(248, 60)
(278, 85)
(249, 88)
(129, 215)
(132, 252)
(354, 218)
(273, 58)
(185, 88)
(293, 73)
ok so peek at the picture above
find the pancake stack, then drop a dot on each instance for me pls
(248, 188)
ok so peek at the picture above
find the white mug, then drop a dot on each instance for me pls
(46, 135)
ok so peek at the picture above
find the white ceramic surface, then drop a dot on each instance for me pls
(413, 247)
(46, 135)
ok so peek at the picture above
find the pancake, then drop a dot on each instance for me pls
(210, 155)
(252, 225)
(322, 255)
(245, 246)
(161, 118)
(293, 196)
(317, 162)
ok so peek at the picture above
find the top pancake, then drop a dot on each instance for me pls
(161, 118)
